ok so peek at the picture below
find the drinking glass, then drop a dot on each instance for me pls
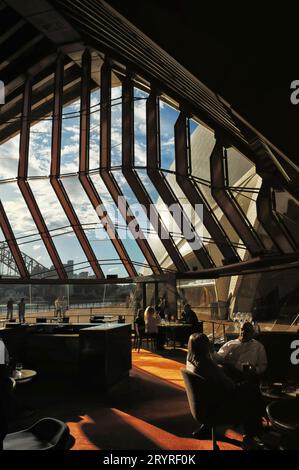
(19, 367)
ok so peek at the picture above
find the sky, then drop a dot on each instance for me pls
(39, 165)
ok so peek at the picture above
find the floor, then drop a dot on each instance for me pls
(148, 411)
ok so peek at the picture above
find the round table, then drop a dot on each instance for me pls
(272, 392)
(284, 415)
(23, 376)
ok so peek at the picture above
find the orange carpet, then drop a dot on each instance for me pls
(151, 413)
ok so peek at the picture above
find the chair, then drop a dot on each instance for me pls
(151, 341)
(197, 389)
(139, 336)
(284, 417)
(45, 434)
(204, 406)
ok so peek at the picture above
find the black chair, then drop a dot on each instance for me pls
(46, 434)
(284, 417)
(198, 394)
(204, 405)
(140, 335)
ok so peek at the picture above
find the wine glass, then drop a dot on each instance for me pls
(19, 367)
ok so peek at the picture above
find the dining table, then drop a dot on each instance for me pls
(23, 376)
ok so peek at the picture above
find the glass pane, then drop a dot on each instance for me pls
(33, 250)
(70, 138)
(168, 117)
(63, 236)
(97, 236)
(39, 162)
(9, 158)
(146, 227)
(150, 294)
(197, 222)
(199, 293)
(101, 299)
(116, 123)
(8, 267)
(123, 231)
(270, 297)
(172, 224)
(202, 142)
(288, 209)
(238, 166)
(94, 145)
(15, 292)
(244, 185)
(140, 126)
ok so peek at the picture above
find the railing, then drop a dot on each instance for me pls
(49, 306)
(76, 314)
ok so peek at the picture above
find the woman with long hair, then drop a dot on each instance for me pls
(199, 361)
(152, 320)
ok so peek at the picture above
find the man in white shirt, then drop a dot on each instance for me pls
(244, 353)
(5, 385)
(4, 356)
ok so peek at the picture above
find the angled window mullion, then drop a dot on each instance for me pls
(133, 180)
(268, 219)
(55, 172)
(158, 180)
(84, 166)
(105, 167)
(228, 204)
(194, 194)
(25, 187)
(12, 243)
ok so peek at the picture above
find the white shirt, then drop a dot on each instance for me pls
(4, 356)
(237, 353)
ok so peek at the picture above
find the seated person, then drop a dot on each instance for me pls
(243, 351)
(140, 323)
(189, 316)
(5, 386)
(159, 311)
(152, 320)
(225, 396)
(200, 361)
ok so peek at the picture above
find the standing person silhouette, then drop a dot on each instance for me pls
(22, 307)
(9, 315)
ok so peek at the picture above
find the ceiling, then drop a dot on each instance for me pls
(245, 54)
